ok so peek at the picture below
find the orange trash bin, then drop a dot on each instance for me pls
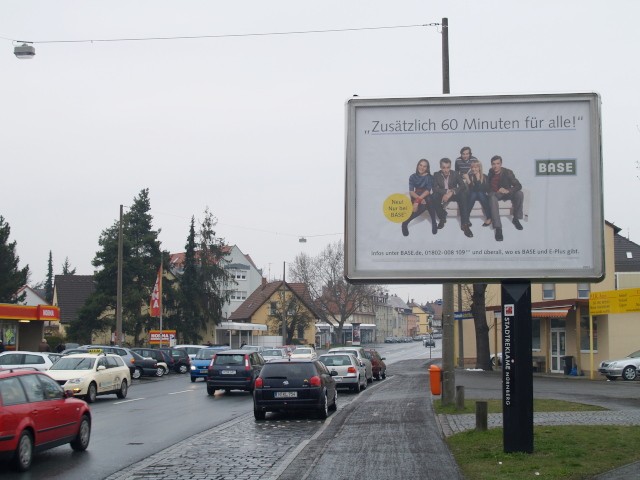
(435, 379)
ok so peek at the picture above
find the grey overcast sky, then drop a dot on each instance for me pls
(252, 126)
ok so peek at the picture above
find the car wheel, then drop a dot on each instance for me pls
(384, 375)
(182, 369)
(323, 411)
(159, 371)
(227, 391)
(81, 442)
(376, 377)
(629, 373)
(370, 379)
(193, 379)
(24, 452)
(137, 373)
(356, 388)
(259, 415)
(609, 377)
(92, 393)
(334, 405)
(166, 370)
(124, 388)
(210, 390)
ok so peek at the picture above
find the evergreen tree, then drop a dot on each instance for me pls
(12, 278)
(66, 267)
(204, 285)
(141, 259)
(48, 284)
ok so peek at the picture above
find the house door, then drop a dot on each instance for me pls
(558, 349)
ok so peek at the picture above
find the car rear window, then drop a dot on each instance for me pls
(272, 353)
(288, 370)
(335, 360)
(234, 359)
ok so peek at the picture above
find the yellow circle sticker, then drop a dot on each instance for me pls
(397, 208)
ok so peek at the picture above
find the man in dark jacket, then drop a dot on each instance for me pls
(448, 186)
(503, 185)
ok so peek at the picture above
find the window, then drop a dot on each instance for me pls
(300, 331)
(548, 291)
(584, 333)
(273, 308)
(238, 295)
(535, 334)
(238, 274)
(12, 392)
(584, 290)
(33, 387)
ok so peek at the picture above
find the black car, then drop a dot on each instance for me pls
(158, 356)
(233, 370)
(181, 360)
(291, 385)
(429, 341)
(143, 366)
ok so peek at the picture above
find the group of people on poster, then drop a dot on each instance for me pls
(465, 184)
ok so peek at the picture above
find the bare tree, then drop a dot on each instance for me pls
(293, 311)
(335, 298)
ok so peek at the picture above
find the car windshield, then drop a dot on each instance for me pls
(67, 363)
(205, 354)
(237, 359)
(304, 351)
(272, 353)
(635, 354)
(335, 360)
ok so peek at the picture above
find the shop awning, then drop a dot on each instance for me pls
(550, 313)
(242, 326)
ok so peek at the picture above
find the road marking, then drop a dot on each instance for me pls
(183, 391)
(128, 401)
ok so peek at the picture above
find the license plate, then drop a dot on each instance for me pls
(337, 379)
(203, 371)
(228, 372)
(285, 394)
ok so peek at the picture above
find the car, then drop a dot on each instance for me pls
(274, 354)
(157, 355)
(200, 364)
(292, 385)
(190, 349)
(181, 359)
(304, 352)
(378, 367)
(15, 359)
(252, 348)
(389, 340)
(360, 355)
(429, 341)
(144, 366)
(350, 372)
(137, 364)
(233, 370)
(625, 368)
(37, 414)
(88, 375)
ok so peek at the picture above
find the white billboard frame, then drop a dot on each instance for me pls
(550, 142)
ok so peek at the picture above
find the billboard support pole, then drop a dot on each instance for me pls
(517, 369)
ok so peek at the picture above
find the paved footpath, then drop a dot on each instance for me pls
(389, 431)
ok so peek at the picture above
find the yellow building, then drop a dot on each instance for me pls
(562, 330)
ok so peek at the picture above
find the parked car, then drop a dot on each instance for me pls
(233, 370)
(16, 359)
(252, 348)
(88, 375)
(625, 368)
(137, 364)
(190, 349)
(292, 385)
(200, 364)
(390, 340)
(181, 359)
(360, 355)
(304, 352)
(37, 415)
(378, 367)
(143, 366)
(350, 372)
(274, 354)
(157, 355)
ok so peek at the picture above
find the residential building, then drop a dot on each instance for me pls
(562, 329)
(70, 292)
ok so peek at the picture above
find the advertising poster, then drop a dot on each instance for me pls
(476, 187)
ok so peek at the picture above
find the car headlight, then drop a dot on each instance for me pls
(193, 367)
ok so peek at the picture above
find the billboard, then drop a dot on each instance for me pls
(517, 196)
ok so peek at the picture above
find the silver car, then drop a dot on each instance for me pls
(626, 367)
(274, 354)
(351, 372)
(358, 352)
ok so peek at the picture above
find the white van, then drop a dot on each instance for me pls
(190, 349)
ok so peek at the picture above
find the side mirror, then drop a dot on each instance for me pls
(101, 367)
(333, 373)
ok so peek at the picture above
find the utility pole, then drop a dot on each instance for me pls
(118, 340)
(448, 374)
(284, 308)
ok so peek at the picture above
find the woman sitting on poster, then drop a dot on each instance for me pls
(420, 185)
(479, 190)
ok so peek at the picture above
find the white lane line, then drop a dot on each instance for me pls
(128, 401)
(183, 391)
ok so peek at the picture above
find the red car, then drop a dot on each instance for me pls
(36, 414)
(378, 366)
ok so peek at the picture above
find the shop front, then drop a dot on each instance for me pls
(22, 327)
